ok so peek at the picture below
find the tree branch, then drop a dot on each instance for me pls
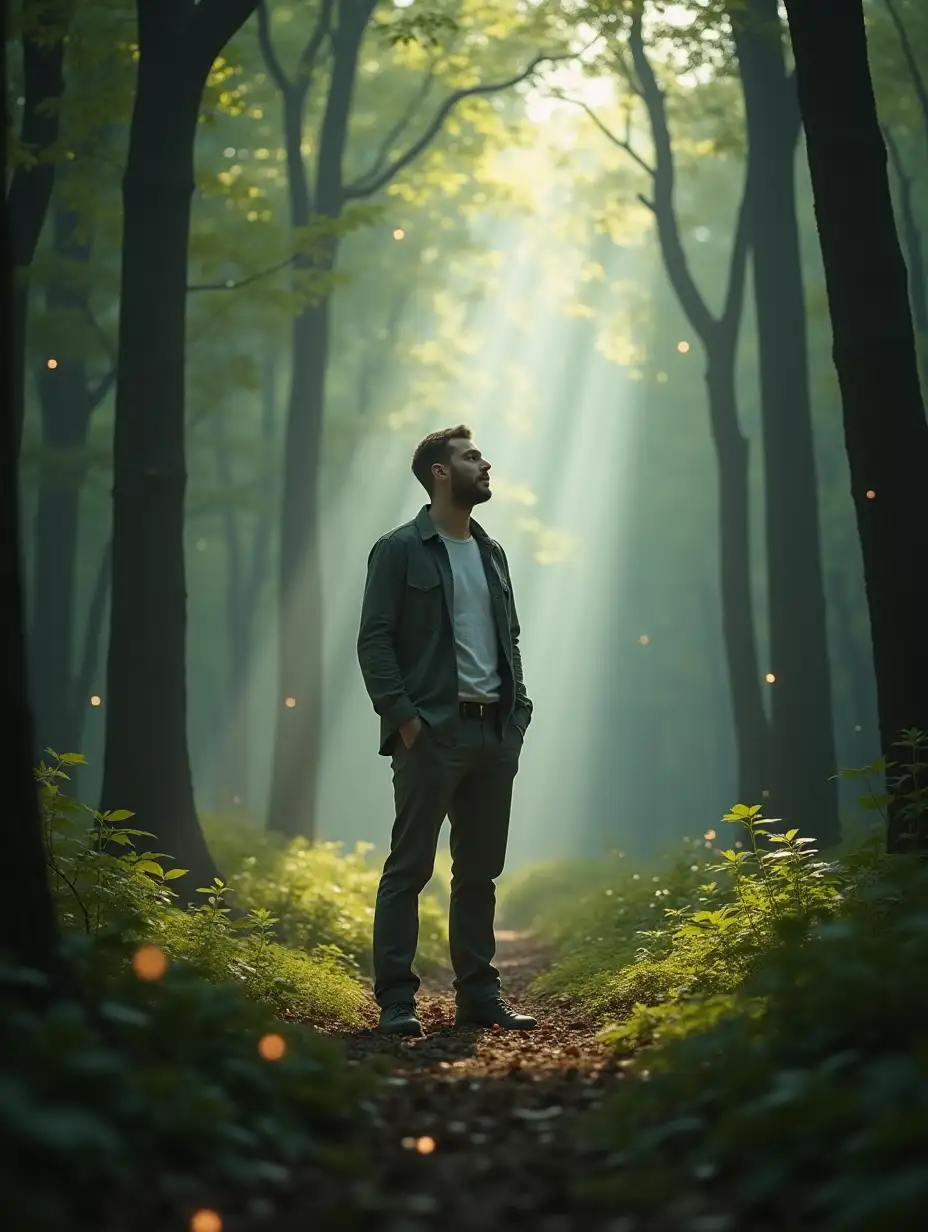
(367, 185)
(737, 264)
(214, 23)
(622, 144)
(231, 285)
(399, 127)
(918, 81)
(311, 48)
(668, 230)
(269, 52)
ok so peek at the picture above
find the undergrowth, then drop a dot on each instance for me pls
(177, 1083)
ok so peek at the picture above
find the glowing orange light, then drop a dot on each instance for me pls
(425, 1146)
(96, 700)
(206, 1221)
(683, 347)
(399, 234)
(738, 842)
(149, 963)
(52, 363)
(272, 1047)
(871, 495)
(644, 639)
(770, 678)
(709, 834)
(289, 702)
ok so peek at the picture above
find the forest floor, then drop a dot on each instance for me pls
(474, 1129)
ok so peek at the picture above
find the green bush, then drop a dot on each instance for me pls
(158, 1102)
(596, 915)
(801, 1100)
(320, 895)
(103, 881)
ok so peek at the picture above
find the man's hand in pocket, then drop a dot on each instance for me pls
(410, 730)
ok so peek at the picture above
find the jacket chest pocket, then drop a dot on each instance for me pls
(423, 601)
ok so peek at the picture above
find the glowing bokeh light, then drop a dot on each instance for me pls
(425, 1146)
(683, 347)
(770, 678)
(149, 963)
(206, 1221)
(96, 700)
(52, 363)
(871, 495)
(399, 234)
(709, 835)
(289, 702)
(272, 1047)
(643, 640)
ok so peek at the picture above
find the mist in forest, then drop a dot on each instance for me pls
(511, 279)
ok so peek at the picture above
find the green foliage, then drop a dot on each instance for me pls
(158, 1100)
(320, 897)
(103, 884)
(802, 1099)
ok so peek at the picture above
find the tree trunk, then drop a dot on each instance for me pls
(65, 410)
(298, 735)
(30, 192)
(886, 434)
(914, 249)
(147, 762)
(802, 745)
(28, 927)
(719, 338)
(732, 458)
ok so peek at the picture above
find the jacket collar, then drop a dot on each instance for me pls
(427, 529)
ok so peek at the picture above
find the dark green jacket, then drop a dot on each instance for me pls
(406, 642)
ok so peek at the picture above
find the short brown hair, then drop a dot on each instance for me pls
(436, 447)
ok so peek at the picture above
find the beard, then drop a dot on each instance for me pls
(468, 492)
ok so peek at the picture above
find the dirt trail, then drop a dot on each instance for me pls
(474, 1129)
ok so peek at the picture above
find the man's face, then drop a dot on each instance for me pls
(469, 474)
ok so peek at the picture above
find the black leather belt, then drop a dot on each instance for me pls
(478, 710)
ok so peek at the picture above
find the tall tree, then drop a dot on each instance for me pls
(718, 335)
(319, 200)
(45, 25)
(147, 762)
(28, 927)
(886, 433)
(802, 743)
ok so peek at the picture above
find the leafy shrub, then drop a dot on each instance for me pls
(802, 1099)
(103, 883)
(595, 915)
(319, 896)
(157, 1101)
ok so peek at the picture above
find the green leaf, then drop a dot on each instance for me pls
(73, 759)
(119, 815)
(173, 873)
(149, 866)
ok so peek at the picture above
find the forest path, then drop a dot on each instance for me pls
(476, 1129)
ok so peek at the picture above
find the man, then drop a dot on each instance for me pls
(439, 652)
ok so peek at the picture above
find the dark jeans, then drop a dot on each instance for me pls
(469, 782)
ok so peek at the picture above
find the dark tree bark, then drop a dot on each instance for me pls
(45, 29)
(298, 734)
(147, 762)
(247, 576)
(719, 338)
(28, 927)
(67, 400)
(886, 433)
(802, 744)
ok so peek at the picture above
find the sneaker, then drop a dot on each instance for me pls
(399, 1019)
